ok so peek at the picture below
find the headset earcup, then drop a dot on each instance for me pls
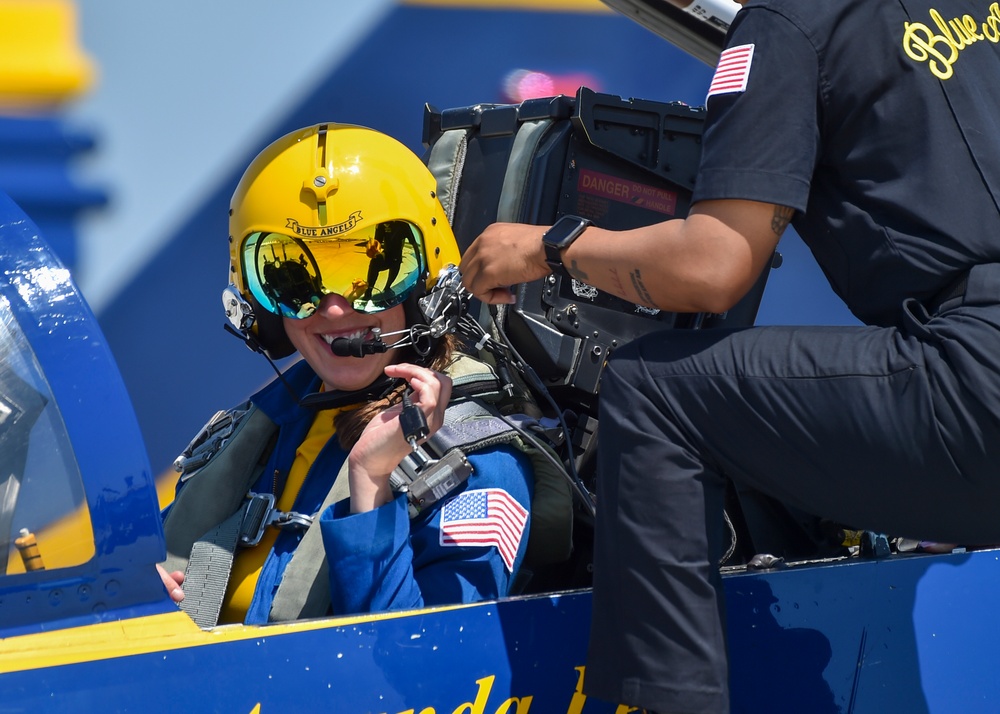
(270, 332)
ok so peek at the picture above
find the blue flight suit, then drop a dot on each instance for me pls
(381, 559)
(878, 122)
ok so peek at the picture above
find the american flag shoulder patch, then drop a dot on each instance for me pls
(486, 516)
(733, 71)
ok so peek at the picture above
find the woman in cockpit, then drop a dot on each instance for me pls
(347, 510)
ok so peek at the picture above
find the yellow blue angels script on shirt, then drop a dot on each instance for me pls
(940, 43)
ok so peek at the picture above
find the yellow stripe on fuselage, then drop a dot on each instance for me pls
(157, 633)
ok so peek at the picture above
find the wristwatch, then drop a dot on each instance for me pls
(559, 237)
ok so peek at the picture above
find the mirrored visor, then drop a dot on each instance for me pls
(373, 268)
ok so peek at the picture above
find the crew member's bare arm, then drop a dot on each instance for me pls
(703, 263)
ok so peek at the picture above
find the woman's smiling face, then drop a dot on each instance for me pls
(333, 318)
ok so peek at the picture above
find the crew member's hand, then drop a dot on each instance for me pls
(172, 582)
(383, 445)
(503, 255)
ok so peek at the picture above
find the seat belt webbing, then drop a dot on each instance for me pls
(304, 590)
(208, 568)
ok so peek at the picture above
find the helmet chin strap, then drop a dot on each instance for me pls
(379, 389)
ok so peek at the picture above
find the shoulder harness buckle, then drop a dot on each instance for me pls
(260, 513)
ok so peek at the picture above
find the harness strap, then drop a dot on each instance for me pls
(211, 560)
(217, 488)
(304, 590)
(469, 428)
(207, 573)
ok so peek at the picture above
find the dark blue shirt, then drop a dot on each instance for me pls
(879, 122)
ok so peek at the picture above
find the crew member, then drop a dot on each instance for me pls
(872, 128)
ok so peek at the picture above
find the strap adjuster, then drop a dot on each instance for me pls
(209, 441)
(261, 513)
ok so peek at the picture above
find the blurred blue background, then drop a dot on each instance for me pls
(145, 152)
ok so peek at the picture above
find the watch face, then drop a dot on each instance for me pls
(564, 231)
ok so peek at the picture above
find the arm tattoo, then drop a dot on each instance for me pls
(619, 288)
(782, 217)
(577, 272)
(640, 288)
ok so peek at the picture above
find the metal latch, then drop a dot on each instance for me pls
(261, 513)
(425, 480)
(435, 479)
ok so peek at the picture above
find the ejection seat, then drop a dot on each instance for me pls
(622, 164)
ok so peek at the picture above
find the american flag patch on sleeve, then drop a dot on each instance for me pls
(733, 71)
(488, 516)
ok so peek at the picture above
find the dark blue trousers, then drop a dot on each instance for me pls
(895, 430)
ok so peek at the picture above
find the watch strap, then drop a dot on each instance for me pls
(559, 237)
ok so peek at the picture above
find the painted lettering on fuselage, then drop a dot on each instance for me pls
(482, 704)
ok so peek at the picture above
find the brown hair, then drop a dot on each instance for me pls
(351, 422)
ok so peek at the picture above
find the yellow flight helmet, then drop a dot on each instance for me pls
(331, 208)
